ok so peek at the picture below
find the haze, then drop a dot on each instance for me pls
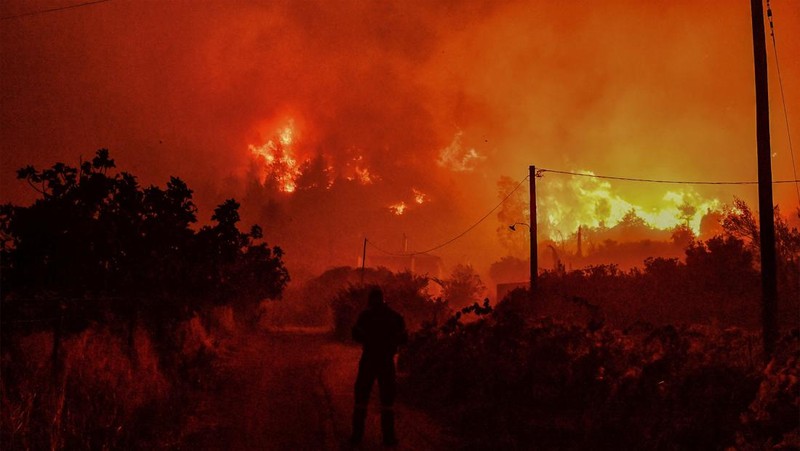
(438, 100)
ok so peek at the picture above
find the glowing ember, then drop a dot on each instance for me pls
(456, 158)
(357, 170)
(419, 196)
(398, 208)
(591, 202)
(286, 134)
(363, 175)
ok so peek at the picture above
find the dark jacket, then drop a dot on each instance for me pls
(380, 330)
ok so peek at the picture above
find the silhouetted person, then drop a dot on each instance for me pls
(380, 330)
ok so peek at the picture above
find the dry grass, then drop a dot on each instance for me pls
(103, 396)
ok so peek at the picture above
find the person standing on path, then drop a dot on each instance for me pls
(380, 330)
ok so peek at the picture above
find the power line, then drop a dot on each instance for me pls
(783, 98)
(408, 254)
(60, 8)
(673, 182)
(541, 171)
(384, 251)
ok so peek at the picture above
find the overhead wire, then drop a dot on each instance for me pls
(783, 98)
(60, 8)
(540, 171)
(456, 237)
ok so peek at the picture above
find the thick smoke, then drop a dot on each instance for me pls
(440, 98)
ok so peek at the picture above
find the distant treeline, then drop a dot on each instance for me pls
(717, 280)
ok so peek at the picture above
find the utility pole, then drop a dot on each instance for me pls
(766, 214)
(363, 259)
(533, 229)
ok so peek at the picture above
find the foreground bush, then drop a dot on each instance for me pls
(404, 292)
(95, 260)
(100, 398)
(99, 395)
(96, 247)
(509, 381)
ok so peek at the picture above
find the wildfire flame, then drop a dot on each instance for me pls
(419, 196)
(457, 158)
(279, 163)
(592, 202)
(363, 175)
(278, 157)
(359, 171)
(398, 208)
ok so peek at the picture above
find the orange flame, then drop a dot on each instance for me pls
(458, 158)
(419, 196)
(278, 157)
(566, 205)
(357, 170)
(398, 208)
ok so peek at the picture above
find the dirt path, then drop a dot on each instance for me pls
(293, 390)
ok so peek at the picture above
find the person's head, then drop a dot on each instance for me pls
(375, 298)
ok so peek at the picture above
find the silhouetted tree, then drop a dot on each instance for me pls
(314, 174)
(464, 286)
(96, 245)
(740, 222)
(403, 291)
(235, 269)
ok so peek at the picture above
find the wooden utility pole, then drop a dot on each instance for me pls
(363, 259)
(534, 245)
(766, 214)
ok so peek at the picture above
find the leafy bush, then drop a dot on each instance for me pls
(104, 284)
(512, 380)
(463, 288)
(773, 417)
(97, 247)
(717, 283)
(404, 292)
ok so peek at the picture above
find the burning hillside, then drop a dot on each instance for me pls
(358, 118)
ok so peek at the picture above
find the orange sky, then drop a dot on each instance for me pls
(655, 89)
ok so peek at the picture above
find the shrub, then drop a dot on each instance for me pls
(511, 380)
(101, 398)
(404, 292)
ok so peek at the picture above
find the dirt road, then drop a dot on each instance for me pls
(293, 390)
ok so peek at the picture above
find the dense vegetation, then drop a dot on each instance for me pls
(717, 281)
(404, 292)
(113, 300)
(105, 284)
(337, 296)
(600, 358)
(659, 357)
(509, 381)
